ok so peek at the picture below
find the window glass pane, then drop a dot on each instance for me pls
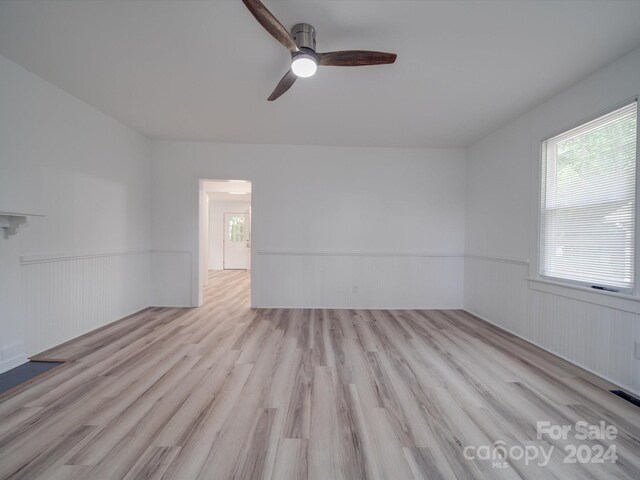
(588, 202)
(235, 229)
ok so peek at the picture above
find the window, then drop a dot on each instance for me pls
(587, 224)
(235, 232)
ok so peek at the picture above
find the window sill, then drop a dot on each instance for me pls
(618, 301)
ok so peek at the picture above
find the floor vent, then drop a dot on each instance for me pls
(24, 373)
(629, 398)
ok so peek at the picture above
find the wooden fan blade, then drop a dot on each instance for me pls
(271, 24)
(356, 58)
(283, 85)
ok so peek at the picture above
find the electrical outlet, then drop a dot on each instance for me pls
(637, 352)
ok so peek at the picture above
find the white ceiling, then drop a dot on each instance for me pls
(202, 70)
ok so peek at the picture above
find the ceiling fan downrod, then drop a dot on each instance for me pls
(304, 35)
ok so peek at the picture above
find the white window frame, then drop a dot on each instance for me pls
(536, 266)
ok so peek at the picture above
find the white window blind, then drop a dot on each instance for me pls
(587, 227)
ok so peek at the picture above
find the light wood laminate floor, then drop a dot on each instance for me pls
(224, 391)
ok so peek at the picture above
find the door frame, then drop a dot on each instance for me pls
(195, 252)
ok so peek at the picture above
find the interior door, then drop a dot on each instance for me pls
(237, 249)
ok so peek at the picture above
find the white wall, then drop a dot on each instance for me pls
(217, 209)
(591, 329)
(332, 227)
(87, 262)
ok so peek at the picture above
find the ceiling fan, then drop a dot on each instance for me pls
(301, 42)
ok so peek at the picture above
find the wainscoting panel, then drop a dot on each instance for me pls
(596, 337)
(171, 279)
(69, 295)
(497, 290)
(382, 280)
(12, 355)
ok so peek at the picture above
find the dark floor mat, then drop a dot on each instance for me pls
(23, 373)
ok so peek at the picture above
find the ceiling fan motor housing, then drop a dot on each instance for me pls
(305, 36)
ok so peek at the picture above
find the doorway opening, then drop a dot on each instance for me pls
(225, 232)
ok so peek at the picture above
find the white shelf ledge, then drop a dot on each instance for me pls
(10, 222)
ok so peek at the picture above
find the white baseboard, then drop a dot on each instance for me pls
(172, 306)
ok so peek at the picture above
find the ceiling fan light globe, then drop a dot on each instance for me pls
(304, 66)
